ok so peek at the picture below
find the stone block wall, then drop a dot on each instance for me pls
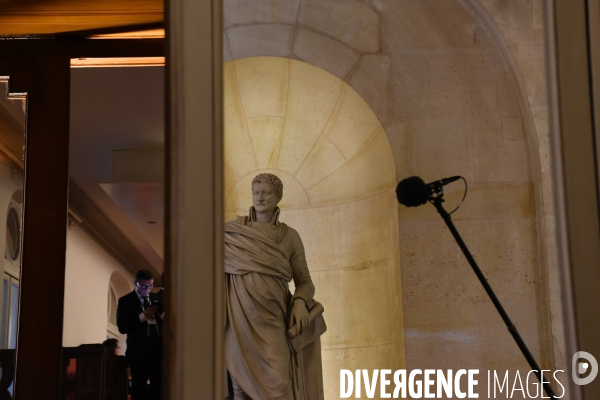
(458, 87)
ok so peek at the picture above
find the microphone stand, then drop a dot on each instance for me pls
(437, 200)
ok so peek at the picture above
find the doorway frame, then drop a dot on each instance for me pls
(41, 67)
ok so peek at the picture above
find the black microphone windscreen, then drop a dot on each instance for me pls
(412, 192)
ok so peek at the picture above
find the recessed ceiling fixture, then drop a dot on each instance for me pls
(143, 34)
(117, 62)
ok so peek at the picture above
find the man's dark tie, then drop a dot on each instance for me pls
(152, 328)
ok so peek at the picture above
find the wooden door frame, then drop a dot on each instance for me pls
(40, 67)
(44, 222)
(573, 82)
(194, 248)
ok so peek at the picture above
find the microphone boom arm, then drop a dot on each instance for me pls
(437, 201)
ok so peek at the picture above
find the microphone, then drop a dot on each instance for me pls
(413, 191)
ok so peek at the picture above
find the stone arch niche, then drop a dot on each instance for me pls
(120, 283)
(320, 137)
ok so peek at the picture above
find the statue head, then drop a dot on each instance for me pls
(267, 191)
(273, 180)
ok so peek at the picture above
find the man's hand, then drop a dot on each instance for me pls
(300, 316)
(150, 311)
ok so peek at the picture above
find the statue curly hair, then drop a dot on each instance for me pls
(273, 180)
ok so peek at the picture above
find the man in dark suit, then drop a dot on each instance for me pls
(139, 315)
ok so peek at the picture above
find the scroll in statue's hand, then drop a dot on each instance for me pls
(299, 316)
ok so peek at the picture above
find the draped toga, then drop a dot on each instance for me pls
(260, 260)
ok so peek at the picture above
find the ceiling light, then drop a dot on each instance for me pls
(117, 62)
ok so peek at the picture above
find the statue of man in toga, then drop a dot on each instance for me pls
(262, 255)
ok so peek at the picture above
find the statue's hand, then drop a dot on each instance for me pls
(300, 316)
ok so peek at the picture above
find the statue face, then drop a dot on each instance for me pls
(264, 198)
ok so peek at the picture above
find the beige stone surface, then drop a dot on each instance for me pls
(352, 123)
(312, 105)
(488, 128)
(427, 324)
(317, 282)
(441, 148)
(434, 269)
(370, 79)
(313, 94)
(521, 25)
(508, 103)
(428, 317)
(554, 274)
(245, 12)
(226, 50)
(438, 83)
(348, 21)
(265, 133)
(558, 332)
(362, 299)
(265, 40)
(474, 59)
(319, 229)
(531, 56)
(498, 348)
(369, 173)
(548, 200)
(231, 214)
(324, 52)
(429, 94)
(231, 177)
(324, 158)
(498, 150)
(354, 217)
(238, 147)
(399, 133)
(396, 279)
(538, 14)
(480, 36)
(484, 102)
(426, 24)
(540, 119)
(500, 161)
(263, 86)
(369, 358)
(517, 15)
(512, 128)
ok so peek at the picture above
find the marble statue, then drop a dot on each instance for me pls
(262, 255)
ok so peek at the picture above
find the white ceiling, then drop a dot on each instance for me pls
(119, 108)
